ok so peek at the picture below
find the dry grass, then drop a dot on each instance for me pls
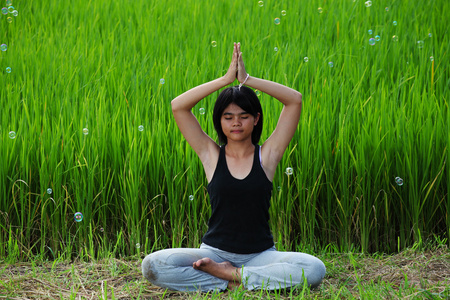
(406, 275)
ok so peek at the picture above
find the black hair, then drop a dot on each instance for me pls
(246, 99)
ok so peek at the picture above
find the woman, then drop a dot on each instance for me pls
(238, 248)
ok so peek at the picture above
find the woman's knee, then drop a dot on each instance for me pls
(149, 268)
(316, 272)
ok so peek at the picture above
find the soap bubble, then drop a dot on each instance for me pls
(399, 181)
(9, 19)
(261, 3)
(377, 38)
(330, 64)
(4, 11)
(101, 229)
(289, 171)
(15, 13)
(162, 81)
(257, 93)
(320, 10)
(370, 31)
(431, 58)
(8, 70)
(191, 197)
(306, 59)
(395, 38)
(10, 9)
(372, 41)
(420, 44)
(275, 49)
(78, 217)
(8, 2)
(277, 21)
(12, 135)
(138, 245)
(49, 191)
(387, 8)
(202, 110)
(368, 3)
(283, 13)
(394, 23)
(85, 131)
(214, 43)
(3, 47)
(141, 128)
(430, 35)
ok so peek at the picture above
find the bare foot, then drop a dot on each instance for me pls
(224, 270)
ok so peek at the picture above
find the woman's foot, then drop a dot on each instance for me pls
(224, 270)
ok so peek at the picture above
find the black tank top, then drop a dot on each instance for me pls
(239, 221)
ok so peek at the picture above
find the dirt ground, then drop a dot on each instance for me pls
(410, 272)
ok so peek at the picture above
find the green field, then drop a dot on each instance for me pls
(378, 113)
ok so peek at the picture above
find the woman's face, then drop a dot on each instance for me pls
(237, 124)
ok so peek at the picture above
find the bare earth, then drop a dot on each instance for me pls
(413, 275)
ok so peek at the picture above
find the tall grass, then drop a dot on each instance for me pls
(379, 113)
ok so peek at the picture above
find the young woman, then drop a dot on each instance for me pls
(238, 248)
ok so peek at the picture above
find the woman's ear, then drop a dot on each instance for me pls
(256, 119)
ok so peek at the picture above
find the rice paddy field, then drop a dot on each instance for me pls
(93, 167)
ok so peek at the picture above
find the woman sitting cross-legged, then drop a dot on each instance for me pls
(238, 248)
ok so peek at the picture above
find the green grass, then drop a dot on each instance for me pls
(380, 112)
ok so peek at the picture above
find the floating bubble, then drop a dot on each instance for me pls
(399, 181)
(289, 171)
(387, 8)
(12, 135)
(10, 9)
(370, 31)
(279, 188)
(8, 70)
(141, 128)
(202, 110)
(78, 217)
(15, 13)
(275, 49)
(3, 47)
(277, 21)
(8, 2)
(191, 197)
(138, 245)
(395, 38)
(306, 59)
(261, 3)
(49, 191)
(320, 10)
(85, 131)
(9, 19)
(162, 81)
(368, 3)
(377, 38)
(101, 229)
(430, 35)
(257, 93)
(214, 43)
(283, 13)
(372, 41)
(4, 10)
(394, 23)
(330, 64)
(420, 44)
(431, 58)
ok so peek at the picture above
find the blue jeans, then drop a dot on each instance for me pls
(269, 270)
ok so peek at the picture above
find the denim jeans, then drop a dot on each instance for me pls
(269, 270)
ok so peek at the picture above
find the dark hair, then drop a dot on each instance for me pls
(246, 99)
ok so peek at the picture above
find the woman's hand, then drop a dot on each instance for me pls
(231, 74)
(242, 74)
